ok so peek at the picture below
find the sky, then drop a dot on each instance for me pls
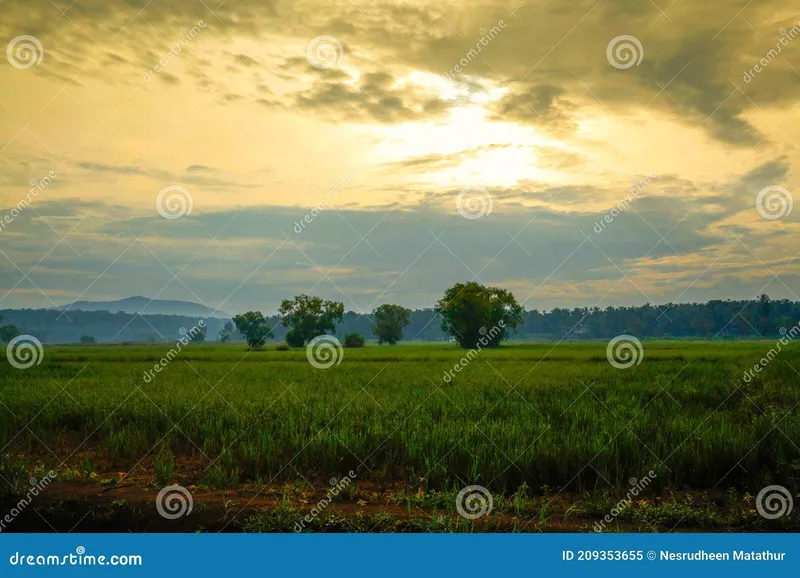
(236, 153)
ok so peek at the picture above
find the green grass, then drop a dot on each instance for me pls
(524, 414)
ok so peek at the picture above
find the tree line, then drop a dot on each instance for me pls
(722, 319)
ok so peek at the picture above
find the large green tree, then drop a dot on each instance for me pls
(309, 317)
(253, 327)
(389, 323)
(478, 315)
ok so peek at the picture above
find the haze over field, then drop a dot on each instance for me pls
(402, 105)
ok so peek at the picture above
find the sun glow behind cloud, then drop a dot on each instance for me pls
(476, 148)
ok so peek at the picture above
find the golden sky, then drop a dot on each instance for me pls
(439, 141)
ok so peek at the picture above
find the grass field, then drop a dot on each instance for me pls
(554, 432)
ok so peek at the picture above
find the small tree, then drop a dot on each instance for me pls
(294, 339)
(354, 339)
(253, 327)
(310, 316)
(198, 336)
(226, 332)
(87, 339)
(389, 323)
(477, 315)
(8, 332)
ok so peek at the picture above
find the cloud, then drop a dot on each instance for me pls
(540, 118)
(119, 170)
(193, 175)
(542, 105)
(375, 97)
(546, 55)
(200, 169)
(412, 255)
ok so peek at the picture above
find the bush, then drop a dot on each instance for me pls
(198, 334)
(87, 339)
(8, 332)
(295, 338)
(282, 347)
(354, 339)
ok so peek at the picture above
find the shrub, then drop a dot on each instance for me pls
(295, 338)
(198, 334)
(354, 339)
(8, 332)
(282, 347)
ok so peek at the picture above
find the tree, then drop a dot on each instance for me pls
(225, 333)
(87, 339)
(389, 323)
(310, 316)
(8, 332)
(476, 315)
(354, 339)
(765, 311)
(253, 327)
(198, 336)
(294, 339)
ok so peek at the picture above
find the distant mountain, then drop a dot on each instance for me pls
(145, 306)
